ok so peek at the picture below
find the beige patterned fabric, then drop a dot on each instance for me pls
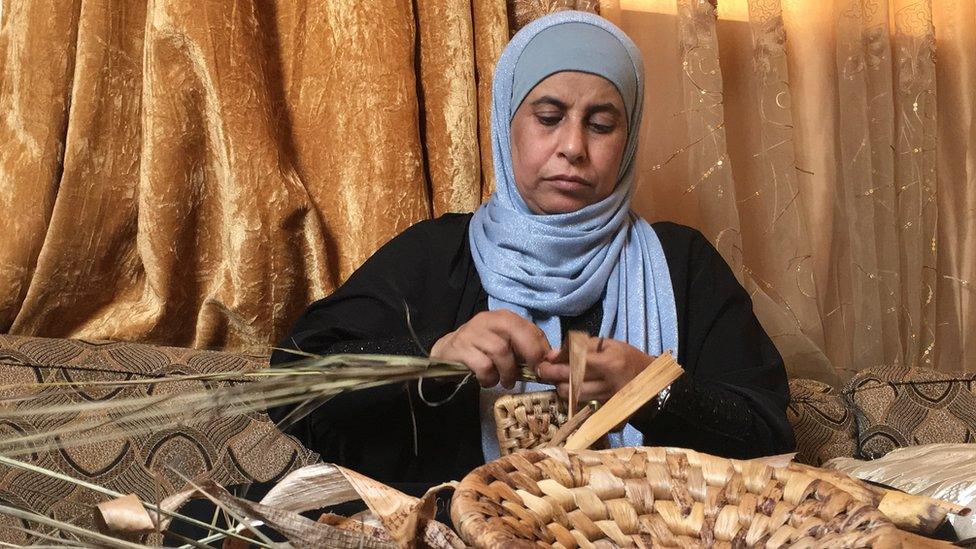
(898, 407)
(826, 149)
(150, 465)
(823, 424)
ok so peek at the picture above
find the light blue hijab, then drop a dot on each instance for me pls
(546, 266)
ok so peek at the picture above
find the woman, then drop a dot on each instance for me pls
(555, 248)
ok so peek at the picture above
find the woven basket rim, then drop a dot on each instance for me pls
(467, 510)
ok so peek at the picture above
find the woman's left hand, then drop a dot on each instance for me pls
(610, 364)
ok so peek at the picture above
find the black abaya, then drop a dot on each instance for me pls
(730, 402)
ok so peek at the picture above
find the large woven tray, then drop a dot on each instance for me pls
(657, 497)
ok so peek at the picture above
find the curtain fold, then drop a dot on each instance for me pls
(35, 105)
(194, 173)
(955, 110)
(827, 149)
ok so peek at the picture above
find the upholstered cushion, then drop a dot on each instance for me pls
(230, 450)
(822, 422)
(897, 407)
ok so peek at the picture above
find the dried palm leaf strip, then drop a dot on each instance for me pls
(406, 520)
(148, 411)
(577, 367)
(646, 385)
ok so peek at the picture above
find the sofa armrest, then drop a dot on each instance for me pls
(822, 422)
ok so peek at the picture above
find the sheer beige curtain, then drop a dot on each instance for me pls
(828, 149)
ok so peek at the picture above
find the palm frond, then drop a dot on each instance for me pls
(10, 462)
(98, 539)
(232, 394)
(147, 406)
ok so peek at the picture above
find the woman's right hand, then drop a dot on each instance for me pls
(492, 344)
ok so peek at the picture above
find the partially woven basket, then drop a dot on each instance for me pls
(524, 421)
(657, 497)
(527, 420)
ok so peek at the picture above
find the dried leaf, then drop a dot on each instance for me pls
(311, 487)
(123, 517)
(577, 368)
(645, 386)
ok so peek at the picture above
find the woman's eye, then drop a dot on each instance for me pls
(602, 128)
(548, 120)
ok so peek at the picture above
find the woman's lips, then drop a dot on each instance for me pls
(568, 183)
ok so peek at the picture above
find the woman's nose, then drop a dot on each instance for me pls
(572, 144)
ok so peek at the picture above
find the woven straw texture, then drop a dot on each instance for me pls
(527, 420)
(657, 497)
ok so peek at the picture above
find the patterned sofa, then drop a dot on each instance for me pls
(221, 450)
(879, 410)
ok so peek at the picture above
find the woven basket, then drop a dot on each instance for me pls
(529, 420)
(657, 497)
(526, 420)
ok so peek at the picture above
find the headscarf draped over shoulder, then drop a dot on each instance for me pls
(547, 266)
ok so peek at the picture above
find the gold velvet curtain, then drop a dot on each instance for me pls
(195, 173)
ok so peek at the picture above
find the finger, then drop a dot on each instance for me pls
(481, 365)
(591, 390)
(598, 366)
(553, 372)
(608, 361)
(526, 339)
(441, 346)
(530, 343)
(498, 350)
(600, 345)
(600, 391)
(559, 354)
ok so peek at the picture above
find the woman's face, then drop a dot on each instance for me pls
(568, 137)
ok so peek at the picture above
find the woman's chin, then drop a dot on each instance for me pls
(560, 205)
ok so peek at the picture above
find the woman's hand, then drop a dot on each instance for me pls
(492, 344)
(610, 364)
